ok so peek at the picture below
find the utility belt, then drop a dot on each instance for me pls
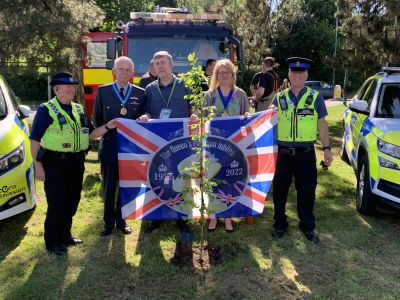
(46, 154)
(292, 151)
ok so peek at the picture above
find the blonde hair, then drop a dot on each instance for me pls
(214, 83)
(161, 54)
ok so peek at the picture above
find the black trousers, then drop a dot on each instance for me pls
(112, 201)
(63, 186)
(301, 166)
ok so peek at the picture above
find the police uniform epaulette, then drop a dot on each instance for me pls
(105, 85)
(137, 87)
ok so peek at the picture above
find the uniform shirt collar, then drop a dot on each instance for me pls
(119, 86)
(302, 92)
(62, 104)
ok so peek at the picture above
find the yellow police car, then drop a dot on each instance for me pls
(371, 141)
(17, 184)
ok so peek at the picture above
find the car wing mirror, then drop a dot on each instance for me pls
(359, 106)
(109, 64)
(24, 111)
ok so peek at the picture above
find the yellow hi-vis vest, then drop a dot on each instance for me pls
(65, 134)
(297, 124)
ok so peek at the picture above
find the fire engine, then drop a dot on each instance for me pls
(171, 29)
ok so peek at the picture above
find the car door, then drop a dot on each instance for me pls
(357, 120)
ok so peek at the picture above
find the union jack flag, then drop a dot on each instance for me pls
(241, 152)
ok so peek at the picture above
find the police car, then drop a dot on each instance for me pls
(17, 184)
(371, 141)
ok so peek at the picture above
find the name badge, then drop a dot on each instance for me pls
(85, 130)
(306, 112)
(165, 113)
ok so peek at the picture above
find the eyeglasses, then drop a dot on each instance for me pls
(224, 73)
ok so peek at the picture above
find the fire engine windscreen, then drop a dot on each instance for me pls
(96, 55)
(141, 50)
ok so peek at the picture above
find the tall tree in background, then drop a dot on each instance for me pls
(371, 30)
(251, 21)
(305, 28)
(284, 28)
(120, 10)
(44, 32)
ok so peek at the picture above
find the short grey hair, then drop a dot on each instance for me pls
(123, 58)
(161, 54)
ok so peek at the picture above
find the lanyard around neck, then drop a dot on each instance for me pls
(225, 101)
(170, 94)
(128, 91)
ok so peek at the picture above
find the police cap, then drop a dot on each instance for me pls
(62, 78)
(299, 63)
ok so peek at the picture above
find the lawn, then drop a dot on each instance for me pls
(358, 256)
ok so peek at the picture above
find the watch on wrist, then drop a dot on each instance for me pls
(326, 147)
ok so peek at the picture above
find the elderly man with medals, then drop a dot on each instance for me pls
(116, 100)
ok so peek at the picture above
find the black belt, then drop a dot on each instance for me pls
(64, 155)
(294, 150)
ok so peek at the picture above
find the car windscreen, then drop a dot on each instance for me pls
(142, 49)
(389, 101)
(3, 106)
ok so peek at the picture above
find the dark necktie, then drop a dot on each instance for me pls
(121, 92)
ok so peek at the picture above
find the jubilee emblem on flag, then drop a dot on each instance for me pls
(241, 153)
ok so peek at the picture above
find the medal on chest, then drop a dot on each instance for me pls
(123, 111)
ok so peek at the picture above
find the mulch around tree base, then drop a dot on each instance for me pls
(188, 255)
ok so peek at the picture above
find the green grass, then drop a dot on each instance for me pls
(356, 259)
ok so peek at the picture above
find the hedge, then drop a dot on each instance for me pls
(29, 86)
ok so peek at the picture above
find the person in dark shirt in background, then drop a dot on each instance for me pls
(208, 71)
(268, 85)
(149, 76)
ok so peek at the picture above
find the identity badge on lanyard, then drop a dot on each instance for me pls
(166, 112)
(123, 111)
(225, 101)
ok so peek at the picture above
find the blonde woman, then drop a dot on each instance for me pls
(228, 100)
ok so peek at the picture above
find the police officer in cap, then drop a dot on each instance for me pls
(59, 143)
(301, 113)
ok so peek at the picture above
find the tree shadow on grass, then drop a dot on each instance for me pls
(104, 270)
(46, 279)
(96, 269)
(12, 232)
(161, 250)
(354, 249)
(92, 186)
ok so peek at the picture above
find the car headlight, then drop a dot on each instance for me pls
(12, 160)
(383, 162)
(389, 149)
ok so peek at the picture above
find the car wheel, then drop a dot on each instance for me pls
(343, 153)
(364, 197)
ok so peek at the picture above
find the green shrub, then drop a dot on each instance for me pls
(244, 81)
(29, 86)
